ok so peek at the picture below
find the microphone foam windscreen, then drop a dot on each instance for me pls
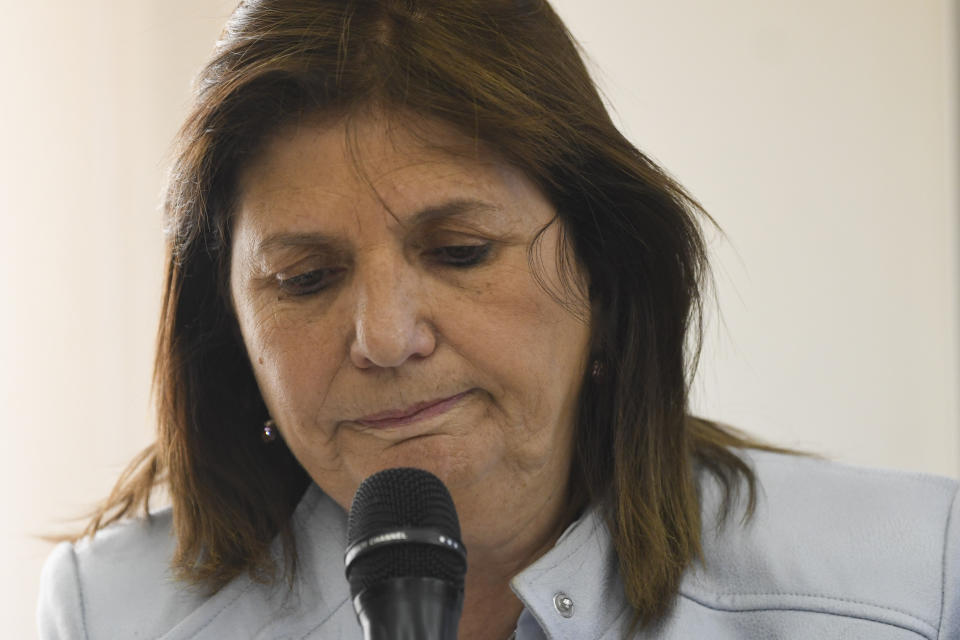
(403, 498)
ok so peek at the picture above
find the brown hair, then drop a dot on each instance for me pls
(507, 73)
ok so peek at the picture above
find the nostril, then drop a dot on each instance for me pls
(390, 345)
(390, 323)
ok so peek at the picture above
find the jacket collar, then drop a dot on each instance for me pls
(575, 590)
(581, 566)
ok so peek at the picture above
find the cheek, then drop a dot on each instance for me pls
(293, 360)
(533, 349)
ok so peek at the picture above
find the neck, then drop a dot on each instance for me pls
(490, 612)
(490, 607)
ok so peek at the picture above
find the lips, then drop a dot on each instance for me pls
(419, 411)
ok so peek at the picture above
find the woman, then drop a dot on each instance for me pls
(406, 233)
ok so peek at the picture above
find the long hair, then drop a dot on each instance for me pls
(508, 74)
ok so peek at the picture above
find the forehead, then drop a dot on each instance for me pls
(400, 162)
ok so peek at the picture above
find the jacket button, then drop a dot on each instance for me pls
(563, 604)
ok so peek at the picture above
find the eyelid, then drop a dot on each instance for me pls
(476, 254)
(313, 281)
(447, 248)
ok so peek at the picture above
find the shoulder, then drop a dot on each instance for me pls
(117, 584)
(835, 540)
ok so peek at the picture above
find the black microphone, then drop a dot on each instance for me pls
(404, 559)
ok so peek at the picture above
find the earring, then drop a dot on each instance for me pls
(269, 433)
(597, 370)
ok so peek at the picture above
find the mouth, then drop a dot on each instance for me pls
(419, 411)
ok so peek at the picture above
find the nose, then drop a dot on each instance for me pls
(390, 326)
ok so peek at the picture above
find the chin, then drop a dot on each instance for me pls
(429, 453)
(459, 471)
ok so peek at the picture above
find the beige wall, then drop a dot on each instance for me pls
(817, 133)
(822, 137)
(92, 95)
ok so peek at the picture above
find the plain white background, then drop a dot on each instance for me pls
(821, 135)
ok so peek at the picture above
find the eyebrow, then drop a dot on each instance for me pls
(434, 214)
(458, 208)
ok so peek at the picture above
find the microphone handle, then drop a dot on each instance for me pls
(409, 609)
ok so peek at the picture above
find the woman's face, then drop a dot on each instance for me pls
(390, 314)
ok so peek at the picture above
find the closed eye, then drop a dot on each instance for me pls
(310, 282)
(461, 256)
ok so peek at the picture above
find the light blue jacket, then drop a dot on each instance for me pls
(832, 552)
